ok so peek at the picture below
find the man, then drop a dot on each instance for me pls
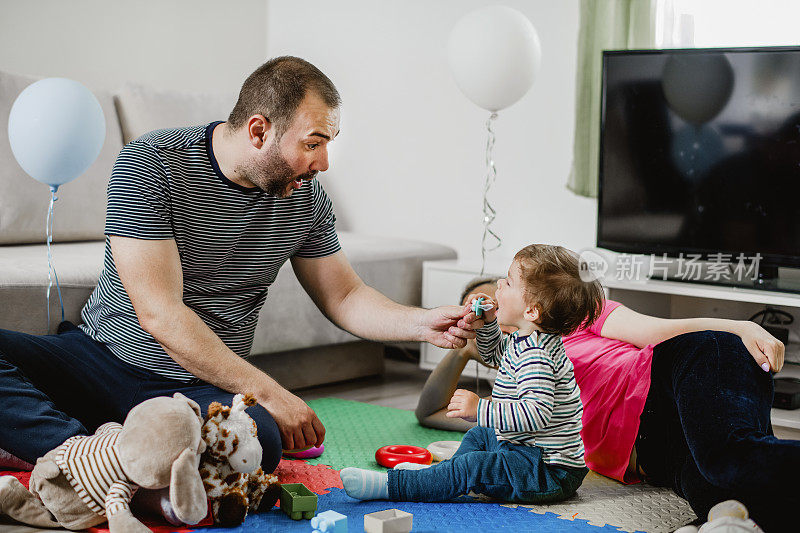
(199, 222)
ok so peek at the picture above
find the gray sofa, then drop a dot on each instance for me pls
(299, 348)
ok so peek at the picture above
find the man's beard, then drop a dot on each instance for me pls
(275, 176)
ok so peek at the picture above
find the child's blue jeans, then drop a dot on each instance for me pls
(484, 465)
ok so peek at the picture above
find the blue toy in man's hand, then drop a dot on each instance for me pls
(478, 307)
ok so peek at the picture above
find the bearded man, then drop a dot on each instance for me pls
(199, 221)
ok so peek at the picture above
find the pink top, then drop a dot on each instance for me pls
(614, 378)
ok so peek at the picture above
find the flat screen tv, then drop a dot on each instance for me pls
(700, 153)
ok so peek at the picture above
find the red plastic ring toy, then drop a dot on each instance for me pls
(389, 456)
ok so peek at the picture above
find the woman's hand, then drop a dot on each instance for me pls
(463, 404)
(765, 349)
(489, 315)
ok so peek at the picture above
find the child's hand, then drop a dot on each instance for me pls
(463, 404)
(489, 315)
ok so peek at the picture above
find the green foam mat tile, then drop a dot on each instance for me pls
(354, 430)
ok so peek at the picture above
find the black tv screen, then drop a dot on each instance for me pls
(700, 153)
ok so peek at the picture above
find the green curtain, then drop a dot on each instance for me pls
(604, 25)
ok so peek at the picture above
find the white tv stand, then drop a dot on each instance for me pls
(675, 299)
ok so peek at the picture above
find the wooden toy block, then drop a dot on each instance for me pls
(388, 521)
(297, 501)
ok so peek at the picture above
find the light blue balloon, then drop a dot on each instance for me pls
(56, 129)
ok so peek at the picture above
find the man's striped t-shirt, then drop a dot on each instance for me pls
(232, 241)
(535, 399)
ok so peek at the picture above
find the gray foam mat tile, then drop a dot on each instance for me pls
(603, 501)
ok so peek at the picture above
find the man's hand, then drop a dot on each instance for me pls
(297, 422)
(488, 315)
(463, 404)
(449, 326)
(765, 349)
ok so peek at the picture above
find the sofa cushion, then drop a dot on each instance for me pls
(289, 319)
(142, 109)
(81, 207)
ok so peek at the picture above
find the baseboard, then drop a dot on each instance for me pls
(309, 367)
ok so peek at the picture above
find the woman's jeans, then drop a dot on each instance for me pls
(705, 430)
(484, 465)
(53, 387)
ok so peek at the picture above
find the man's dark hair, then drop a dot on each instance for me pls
(276, 89)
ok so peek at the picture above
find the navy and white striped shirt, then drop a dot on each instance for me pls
(232, 241)
(535, 399)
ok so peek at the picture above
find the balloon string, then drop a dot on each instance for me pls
(489, 212)
(51, 269)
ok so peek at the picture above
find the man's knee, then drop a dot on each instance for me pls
(3, 342)
(268, 436)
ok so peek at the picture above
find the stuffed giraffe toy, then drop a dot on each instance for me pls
(231, 465)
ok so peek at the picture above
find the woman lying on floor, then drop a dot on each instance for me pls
(681, 403)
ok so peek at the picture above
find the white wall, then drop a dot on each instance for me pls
(201, 45)
(409, 161)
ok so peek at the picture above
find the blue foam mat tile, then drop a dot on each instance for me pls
(428, 517)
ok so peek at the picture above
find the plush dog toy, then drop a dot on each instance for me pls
(90, 479)
(231, 465)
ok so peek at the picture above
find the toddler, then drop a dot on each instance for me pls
(526, 446)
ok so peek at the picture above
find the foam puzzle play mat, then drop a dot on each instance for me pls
(312, 498)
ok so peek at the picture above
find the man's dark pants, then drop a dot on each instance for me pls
(53, 387)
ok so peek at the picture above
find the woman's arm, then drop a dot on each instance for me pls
(640, 330)
(439, 388)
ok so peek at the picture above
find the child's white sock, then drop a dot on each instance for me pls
(365, 484)
(410, 466)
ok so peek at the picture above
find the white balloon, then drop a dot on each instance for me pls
(697, 86)
(494, 54)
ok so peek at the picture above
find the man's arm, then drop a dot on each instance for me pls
(151, 273)
(640, 330)
(355, 307)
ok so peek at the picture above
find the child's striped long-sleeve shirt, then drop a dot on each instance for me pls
(535, 400)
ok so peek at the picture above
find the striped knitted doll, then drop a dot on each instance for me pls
(90, 479)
